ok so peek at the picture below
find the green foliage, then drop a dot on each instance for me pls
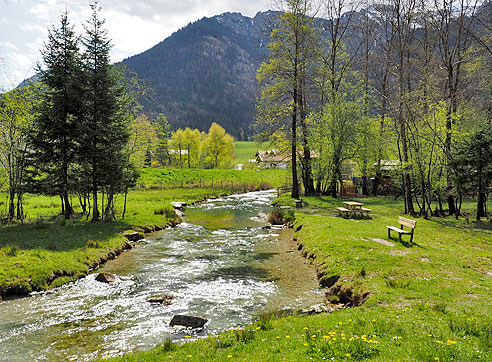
(219, 147)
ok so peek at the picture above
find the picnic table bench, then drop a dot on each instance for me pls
(343, 211)
(403, 222)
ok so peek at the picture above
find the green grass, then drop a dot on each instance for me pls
(169, 178)
(245, 150)
(428, 301)
(48, 251)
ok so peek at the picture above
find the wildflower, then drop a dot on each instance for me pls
(305, 328)
(326, 337)
(306, 344)
(350, 320)
(263, 339)
(340, 323)
(450, 342)
(229, 356)
(374, 320)
(437, 358)
(258, 328)
(277, 337)
(429, 335)
(347, 355)
(287, 337)
(189, 356)
(440, 342)
(187, 336)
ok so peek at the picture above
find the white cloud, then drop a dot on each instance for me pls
(8, 44)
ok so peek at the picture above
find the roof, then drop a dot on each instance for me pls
(276, 155)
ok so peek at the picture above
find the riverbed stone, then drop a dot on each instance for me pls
(188, 321)
(179, 205)
(105, 278)
(134, 236)
(164, 299)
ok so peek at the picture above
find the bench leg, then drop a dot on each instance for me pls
(399, 237)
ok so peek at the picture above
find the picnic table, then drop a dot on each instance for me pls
(353, 207)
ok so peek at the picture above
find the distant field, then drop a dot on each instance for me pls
(169, 178)
(245, 150)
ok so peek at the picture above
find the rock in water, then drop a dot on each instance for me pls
(188, 321)
(165, 299)
(105, 278)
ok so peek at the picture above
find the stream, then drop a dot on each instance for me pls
(219, 263)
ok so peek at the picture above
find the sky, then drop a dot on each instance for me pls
(134, 26)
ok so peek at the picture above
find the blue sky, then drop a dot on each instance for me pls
(134, 26)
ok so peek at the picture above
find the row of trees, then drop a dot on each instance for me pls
(397, 79)
(153, 144)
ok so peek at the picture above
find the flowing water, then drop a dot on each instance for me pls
(220, 263)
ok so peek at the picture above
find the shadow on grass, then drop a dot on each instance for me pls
(60, 235)
(482, 226)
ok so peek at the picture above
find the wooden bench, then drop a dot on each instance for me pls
(366, 210)
(403, 222)
(343, 211)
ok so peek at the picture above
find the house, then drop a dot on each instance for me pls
(276, 158)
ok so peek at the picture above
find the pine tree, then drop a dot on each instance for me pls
(105, 125)
(55, 136)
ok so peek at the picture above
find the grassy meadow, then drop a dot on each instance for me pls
(47, 250)
(426, 301)
(244, 150)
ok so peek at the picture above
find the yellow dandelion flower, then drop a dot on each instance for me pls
(306, 344)
(319, 331)
(374, 320)
(258, 328)
(347, 355)
(229, 356)
(326, 337)
(429, 335)
(437, 358)
(277, 337)
(313, 336)
(350, 320)
(189, 356)
(340, 323)
(187, 336)
(287, 337)
(263, 339)
(334, 338)
(342, 334)
(305, 328)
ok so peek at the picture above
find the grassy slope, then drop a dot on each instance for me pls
(48, 251)
(165, 178)
(429, 301)
(245, 150)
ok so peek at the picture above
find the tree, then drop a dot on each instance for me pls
(163, 130)
(472, 164)
(143, 141)
(177, 144)
(104, 130)
(219, 145)
(55, 135)
(284, 80)
(192, 144)
(15, 124)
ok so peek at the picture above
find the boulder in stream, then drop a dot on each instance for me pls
(188, 321)
(164, 299)
(105, 278)
(134, 236)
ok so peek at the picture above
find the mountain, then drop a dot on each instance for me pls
(206, 72)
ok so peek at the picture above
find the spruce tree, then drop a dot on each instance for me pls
(105, 125)
(55, 136)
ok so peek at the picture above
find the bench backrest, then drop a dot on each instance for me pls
(407, 222)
